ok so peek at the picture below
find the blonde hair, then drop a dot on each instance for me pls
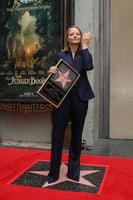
(66, 45)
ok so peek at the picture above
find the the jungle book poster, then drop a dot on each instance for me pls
(30, 34)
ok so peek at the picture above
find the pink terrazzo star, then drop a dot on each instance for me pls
(63, 78)
(63, 177)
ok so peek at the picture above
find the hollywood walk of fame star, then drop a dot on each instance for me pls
(63, 177)
(63, 78)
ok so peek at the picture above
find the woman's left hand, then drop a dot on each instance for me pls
(86, 37)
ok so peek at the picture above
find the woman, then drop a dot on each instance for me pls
(75, 105)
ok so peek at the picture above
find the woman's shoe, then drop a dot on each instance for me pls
(72, 177)
(51, 179)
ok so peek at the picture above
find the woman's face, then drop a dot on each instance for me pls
(74, 36)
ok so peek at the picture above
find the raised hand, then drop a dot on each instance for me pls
(86, 38)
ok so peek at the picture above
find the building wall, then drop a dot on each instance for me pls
(121, 70)
(86, 17)
(31, 127)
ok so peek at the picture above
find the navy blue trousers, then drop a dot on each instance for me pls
(75, 110)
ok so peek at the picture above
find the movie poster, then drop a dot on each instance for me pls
(30, 35)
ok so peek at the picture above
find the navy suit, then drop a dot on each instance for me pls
(73, 108)
(82, 63)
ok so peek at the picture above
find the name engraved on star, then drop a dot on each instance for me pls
(53, 93)
(57, 85)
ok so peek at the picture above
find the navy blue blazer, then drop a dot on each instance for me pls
(82, 62)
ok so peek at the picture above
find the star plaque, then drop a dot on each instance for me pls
(57, 85)
(91, 178)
